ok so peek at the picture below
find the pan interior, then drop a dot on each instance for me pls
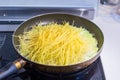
(59, 18)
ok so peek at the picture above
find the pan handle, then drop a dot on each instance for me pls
(16, 65)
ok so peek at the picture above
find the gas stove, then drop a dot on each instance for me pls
(8, 55)
(12, 15)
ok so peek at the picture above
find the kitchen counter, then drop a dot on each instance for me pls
(111, 50)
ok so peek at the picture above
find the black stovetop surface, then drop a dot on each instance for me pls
(8, 54)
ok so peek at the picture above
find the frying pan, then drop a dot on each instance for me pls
(45, 19)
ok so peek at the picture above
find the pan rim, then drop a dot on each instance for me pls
(54, 13)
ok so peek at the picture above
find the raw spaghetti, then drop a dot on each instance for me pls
(57, 44)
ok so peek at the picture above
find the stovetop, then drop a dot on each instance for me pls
(8, 55)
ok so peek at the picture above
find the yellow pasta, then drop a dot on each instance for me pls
(57, 44)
